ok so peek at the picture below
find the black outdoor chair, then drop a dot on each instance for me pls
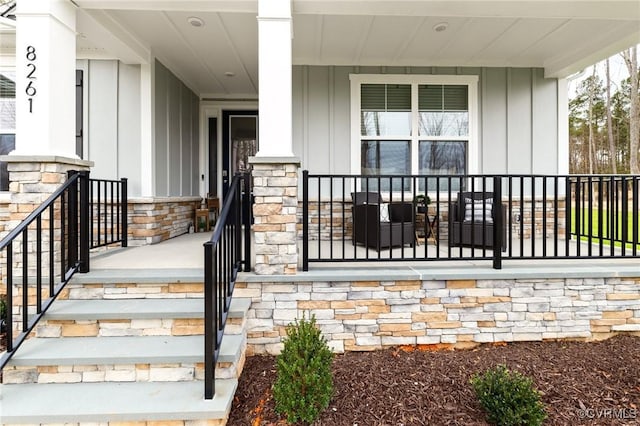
(372, 230)
(471, 220)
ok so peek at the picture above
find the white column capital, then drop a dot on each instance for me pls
(64, 11)
(45, 78)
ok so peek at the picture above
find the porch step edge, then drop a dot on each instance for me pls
(140, 275)
(123, 350)
(108, 402)
(111, 309)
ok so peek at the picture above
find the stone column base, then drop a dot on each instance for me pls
(275, 187)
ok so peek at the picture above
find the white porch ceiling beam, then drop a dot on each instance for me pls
(102, 30)
(564, 9)
(240, 6)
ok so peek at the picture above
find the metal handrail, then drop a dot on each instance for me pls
(225, 254)
(62, 224)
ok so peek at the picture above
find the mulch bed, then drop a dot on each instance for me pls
(409, 386)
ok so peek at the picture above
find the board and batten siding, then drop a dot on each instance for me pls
(176, 136)
(517, 117)
(112, 129)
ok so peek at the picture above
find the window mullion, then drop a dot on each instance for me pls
(415, 129)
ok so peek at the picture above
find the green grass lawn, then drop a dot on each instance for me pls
(606, 231)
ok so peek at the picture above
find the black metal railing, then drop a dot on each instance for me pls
(604, 213)
(40, 255)
(537, 217)
(225, 254)
(108, 212)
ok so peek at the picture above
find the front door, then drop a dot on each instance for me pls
(240, 141)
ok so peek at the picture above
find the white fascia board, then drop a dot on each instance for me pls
(106, 33)
(566, 9)
(565, 66)
(238, 6)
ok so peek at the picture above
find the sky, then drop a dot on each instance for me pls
(617, 70)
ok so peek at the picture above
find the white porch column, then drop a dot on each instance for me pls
(45, 78)
(275, 169)
(274, 80)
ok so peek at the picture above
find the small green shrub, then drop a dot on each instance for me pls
(508, 397)
(304, 382)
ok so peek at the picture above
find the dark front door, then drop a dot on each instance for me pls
(213, 156)
(239, 142)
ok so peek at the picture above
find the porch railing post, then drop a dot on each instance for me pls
(84, 222)
(305, 220)
(497, 222)
(125, 205)
(246, 203)
(209, 322)
(72, 216)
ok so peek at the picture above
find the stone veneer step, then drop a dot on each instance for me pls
(98, 309)
(110, 402)
(123, 350)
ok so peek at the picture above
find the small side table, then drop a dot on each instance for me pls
(430, 229)
(202, 217)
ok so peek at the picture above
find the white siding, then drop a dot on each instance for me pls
(176, 142)
(517, 117)
(113, 124)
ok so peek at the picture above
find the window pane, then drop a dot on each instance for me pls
(442, 158)
(373, 97)
(7, 102)
(7, 84)
(456, 98)
(398, 97)
(444, 123)
(386, 123)
(385, 97)
(386, 158)
(7, 144)
(444, 110)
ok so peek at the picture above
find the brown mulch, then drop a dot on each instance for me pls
(581, 383)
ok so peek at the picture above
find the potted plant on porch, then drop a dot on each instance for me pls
(421, 201)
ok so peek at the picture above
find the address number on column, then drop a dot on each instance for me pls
(31, 90)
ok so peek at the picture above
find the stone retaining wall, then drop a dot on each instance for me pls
(156, 219)
(369, 315)
(333, 219)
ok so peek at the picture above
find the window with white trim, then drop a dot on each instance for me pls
(7, 121)
(413, 125)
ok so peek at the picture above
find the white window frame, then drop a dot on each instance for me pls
(6, 195)
(471, 81)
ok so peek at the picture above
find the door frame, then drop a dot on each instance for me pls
(226, 143)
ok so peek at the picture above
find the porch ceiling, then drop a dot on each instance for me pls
(560, 36)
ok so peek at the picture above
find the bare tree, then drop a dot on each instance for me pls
(631, 60)
(613, 157)
(591, 94)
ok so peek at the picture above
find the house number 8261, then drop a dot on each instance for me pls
(30, 90)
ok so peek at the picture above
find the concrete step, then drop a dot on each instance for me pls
(135, 283)
(134, 317)
(112, 402)
(137, 309)
(124, 359)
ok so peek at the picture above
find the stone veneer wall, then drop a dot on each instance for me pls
(333, 219)
(155, 219)
(275, 187)
(369, 315)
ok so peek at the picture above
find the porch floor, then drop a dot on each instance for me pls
(185, 254)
